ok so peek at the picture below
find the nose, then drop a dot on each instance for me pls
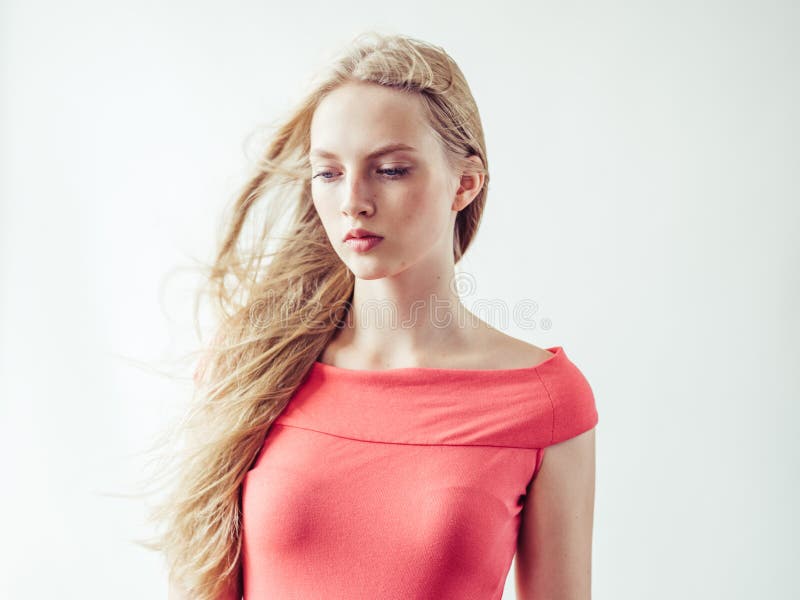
(357, 196)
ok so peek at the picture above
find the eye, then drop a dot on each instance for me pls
(389, 173)
(394, 172)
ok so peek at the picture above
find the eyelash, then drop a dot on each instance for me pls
(401, 171)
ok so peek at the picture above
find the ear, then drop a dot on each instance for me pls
(469, 186)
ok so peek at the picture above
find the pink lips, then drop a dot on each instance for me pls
(362, 240)
(363, 244)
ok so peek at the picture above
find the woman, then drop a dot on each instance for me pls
(335, 455)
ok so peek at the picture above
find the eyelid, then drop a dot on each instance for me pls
(324, 169)
(374, 161)
(401, 172)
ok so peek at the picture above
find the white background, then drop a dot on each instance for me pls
(644, 193)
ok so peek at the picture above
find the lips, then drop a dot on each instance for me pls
(363, 244)
(361, 233)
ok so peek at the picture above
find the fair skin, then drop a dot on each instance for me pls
(554, 546)
(415, 211)
(410, 273)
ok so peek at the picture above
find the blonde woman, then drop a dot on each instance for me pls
(357, 432)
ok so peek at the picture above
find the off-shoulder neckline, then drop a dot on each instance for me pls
(557, 354)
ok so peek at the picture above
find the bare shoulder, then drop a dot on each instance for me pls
(508, 352)
(484, 348)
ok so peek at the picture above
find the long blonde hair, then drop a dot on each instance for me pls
(279, 298)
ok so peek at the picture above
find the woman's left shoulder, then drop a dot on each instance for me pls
(514, 353)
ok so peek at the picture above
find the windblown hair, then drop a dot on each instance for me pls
(278, 299)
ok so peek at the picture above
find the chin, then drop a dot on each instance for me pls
(371, 267)
(368, 272)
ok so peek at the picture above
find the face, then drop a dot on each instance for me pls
(406, 194)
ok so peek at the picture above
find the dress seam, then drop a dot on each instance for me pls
(401, 443)
(552, 407)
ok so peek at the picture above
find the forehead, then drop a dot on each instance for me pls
(356, 118)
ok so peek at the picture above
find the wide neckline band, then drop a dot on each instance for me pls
(557, 355)
(525, 407)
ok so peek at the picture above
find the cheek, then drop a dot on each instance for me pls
(425, 213)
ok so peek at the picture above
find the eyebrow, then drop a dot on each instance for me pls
(385, 149)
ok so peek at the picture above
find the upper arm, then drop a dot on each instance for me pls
(554, 547)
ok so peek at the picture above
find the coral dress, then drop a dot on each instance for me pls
(403, 483)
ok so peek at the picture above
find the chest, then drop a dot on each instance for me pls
(325, 501)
